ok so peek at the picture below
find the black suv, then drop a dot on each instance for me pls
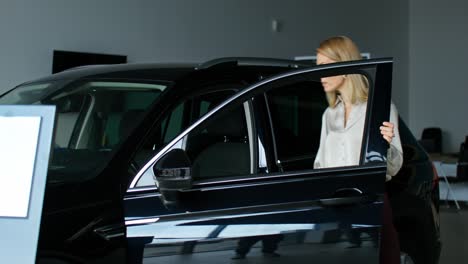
(196, 163)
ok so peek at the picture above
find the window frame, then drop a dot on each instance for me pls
(189, 118)
(248, 112)
(373, 152)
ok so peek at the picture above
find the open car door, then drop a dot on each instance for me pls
(240, 181)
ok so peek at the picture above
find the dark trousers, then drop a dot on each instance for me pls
(269, 243)
(389, 246)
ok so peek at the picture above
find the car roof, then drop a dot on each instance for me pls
(162, 71)
(144, 71)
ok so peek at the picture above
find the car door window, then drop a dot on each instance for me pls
(173, 124)
(296, 111)
(199, 105)
(221, 147)
(177, 119)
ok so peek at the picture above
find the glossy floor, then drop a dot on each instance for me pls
(454, 227)
(454, 232)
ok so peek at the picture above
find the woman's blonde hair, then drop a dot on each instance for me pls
(340, 49)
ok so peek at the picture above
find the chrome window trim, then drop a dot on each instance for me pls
(262, 161)
(151, 220)
(141, 189)
(80, 144)
(248, 119)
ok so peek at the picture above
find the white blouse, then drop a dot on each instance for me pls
(340, 145)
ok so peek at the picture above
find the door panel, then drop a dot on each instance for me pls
(303, 226)
(325, 216)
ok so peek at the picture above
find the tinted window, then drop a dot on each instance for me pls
(296, 111)
(93, 118)
(221, 146)
(107, 112)
(176, 120)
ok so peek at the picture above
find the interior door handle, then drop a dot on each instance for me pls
(347, 197)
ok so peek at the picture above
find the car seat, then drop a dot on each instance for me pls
(229, 154)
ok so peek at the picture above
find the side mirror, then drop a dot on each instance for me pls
(173, 173)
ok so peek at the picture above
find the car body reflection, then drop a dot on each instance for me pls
(200, 240)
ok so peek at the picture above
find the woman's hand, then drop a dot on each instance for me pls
(387, 131)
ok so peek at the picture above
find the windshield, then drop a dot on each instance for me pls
(93, 119)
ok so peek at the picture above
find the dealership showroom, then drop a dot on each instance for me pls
(233, 131)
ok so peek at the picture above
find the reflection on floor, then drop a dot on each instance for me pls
(288, 255)
(454, 232)
(324, 243)
(453, 222)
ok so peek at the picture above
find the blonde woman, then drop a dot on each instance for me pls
(343, 126)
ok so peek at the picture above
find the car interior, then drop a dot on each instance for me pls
(222, 148)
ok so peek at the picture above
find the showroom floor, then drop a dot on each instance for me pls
(454, 223)
(454, 232)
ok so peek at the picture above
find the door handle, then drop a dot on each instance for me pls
(347, 197)
(344, 201)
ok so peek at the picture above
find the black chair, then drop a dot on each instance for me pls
(431, 139)
(462, 166)
(463, 154)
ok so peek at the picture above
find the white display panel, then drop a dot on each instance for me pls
(25, 145)
(18, 146)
